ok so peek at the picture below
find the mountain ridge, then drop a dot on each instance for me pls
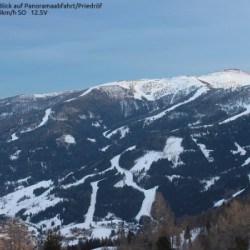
(86, 158)
(128, 83)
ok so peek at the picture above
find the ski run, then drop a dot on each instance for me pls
(197, 94)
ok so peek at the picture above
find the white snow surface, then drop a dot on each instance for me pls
(206, 152)
(219, 203)
(20, 181)
(153, 89)
(90, 214)
(239, 150)
(43, 122)
(105, 148)
(147, 203)
(171, 177)
(120, 184)
(73, 242)
(13, 137)
(225, 79)
(96, 124)
(91, 140)
(247, 161)
(101, 232)
(69, 139)
(122, 130)
(25, 199)
(15, 156)
(208, 183)
(79, 182)
(149, 195)
(239, 192)
(197, 94)
(171, 151)
(194, 233)
(150, 89)
(82, 180)
(53, 94)
(70, 100)
(45, 118)
(246, 112)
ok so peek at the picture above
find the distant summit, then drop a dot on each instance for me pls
(89, 162)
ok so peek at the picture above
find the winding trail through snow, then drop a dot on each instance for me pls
(149, 195)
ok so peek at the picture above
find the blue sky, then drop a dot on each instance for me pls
(125, 40)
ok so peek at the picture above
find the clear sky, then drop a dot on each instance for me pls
(125, 40)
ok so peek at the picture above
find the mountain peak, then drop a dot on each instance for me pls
(153, 89)
(228, 78)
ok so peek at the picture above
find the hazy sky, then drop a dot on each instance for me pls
(125, 40)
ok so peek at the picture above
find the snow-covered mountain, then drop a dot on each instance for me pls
(93, 159)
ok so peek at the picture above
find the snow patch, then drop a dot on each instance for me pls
(145, 162)
(70, 100)
(69, 139)
(64, 178)
(219, 203)
(171, 151)
(246, 112)
(96, 124)
(91, 140)
(239, 150)
(73, 242)
(239, 192)
(45, 118)
(247, 161)
(53, 94)
(204, 150)
(130, 148)
(13, 138)
(18, 181)
(82, 180)
(83, 117)
(42, 123)
(120, 184)
(122, 130)
(105, 148)
(79, 182)
(25, 199)
(210, 182)
(15, 156)
(171, 177)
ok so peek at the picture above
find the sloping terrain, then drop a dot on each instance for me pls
(93, 159)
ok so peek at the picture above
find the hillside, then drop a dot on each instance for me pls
(93, 159)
